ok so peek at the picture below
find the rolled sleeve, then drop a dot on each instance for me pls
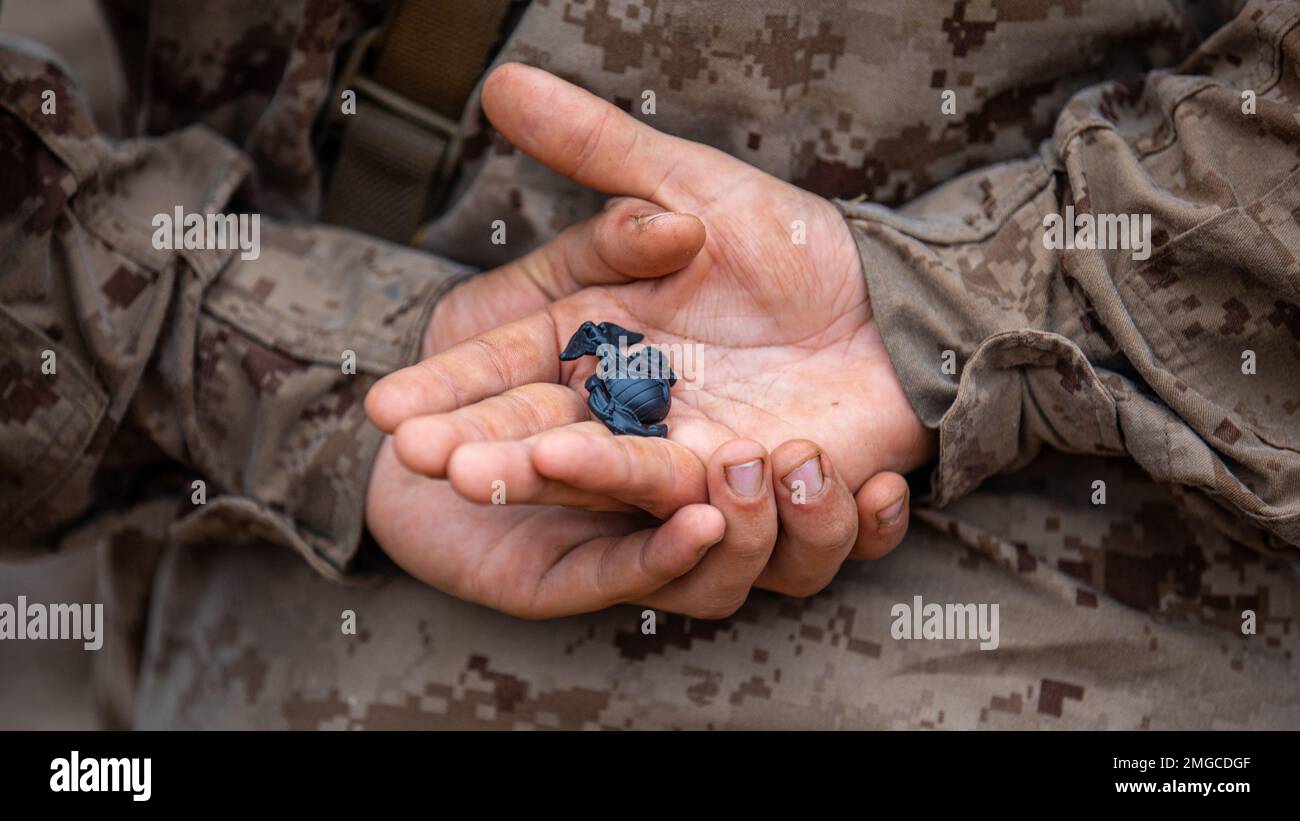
(1185, 358)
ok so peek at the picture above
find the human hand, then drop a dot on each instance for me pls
(541, 562)
(791, 343)
(546, 561)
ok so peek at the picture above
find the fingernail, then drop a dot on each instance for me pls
(889, 514)
(643, 221)
(810, 473)
(746, 478)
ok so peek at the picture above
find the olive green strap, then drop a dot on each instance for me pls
(404, 141)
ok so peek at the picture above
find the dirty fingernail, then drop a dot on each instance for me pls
(809, 473)
(889, 514)
(746, 478)
(646, 220)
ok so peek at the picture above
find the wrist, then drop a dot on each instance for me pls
(444, 326)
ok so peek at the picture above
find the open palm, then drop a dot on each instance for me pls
(541, 561)
(776, 297)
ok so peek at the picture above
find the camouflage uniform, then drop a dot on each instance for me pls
(180, 365)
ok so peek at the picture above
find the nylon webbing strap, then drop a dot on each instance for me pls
(436, 50)
(404, 138)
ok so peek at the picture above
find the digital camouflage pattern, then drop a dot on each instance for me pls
(175, 366)
(1092, 350)
(1129, 620)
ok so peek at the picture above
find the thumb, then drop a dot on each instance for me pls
(630, 239)
(883, 513)
(592, 142)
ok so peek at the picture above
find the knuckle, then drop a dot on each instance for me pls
(818, 548)
(718, 608)
(525, 408)
(603, 573)
(588, 143)
(846, 531)
(804, 586)
(750, 549)
(714, 612)
(821, 528)
(429, 377)
(496, 358)
(660, 470)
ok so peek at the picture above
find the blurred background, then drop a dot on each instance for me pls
(46, 684)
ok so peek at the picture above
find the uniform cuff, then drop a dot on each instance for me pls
(990, 345)
(288, 345)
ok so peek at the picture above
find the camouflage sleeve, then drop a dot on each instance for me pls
(1132, 289)
(123, 361)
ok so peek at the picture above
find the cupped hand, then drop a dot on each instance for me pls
(775, 299)
(539, 562)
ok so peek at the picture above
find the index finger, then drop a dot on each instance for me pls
(520, 353)
(592, 142)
